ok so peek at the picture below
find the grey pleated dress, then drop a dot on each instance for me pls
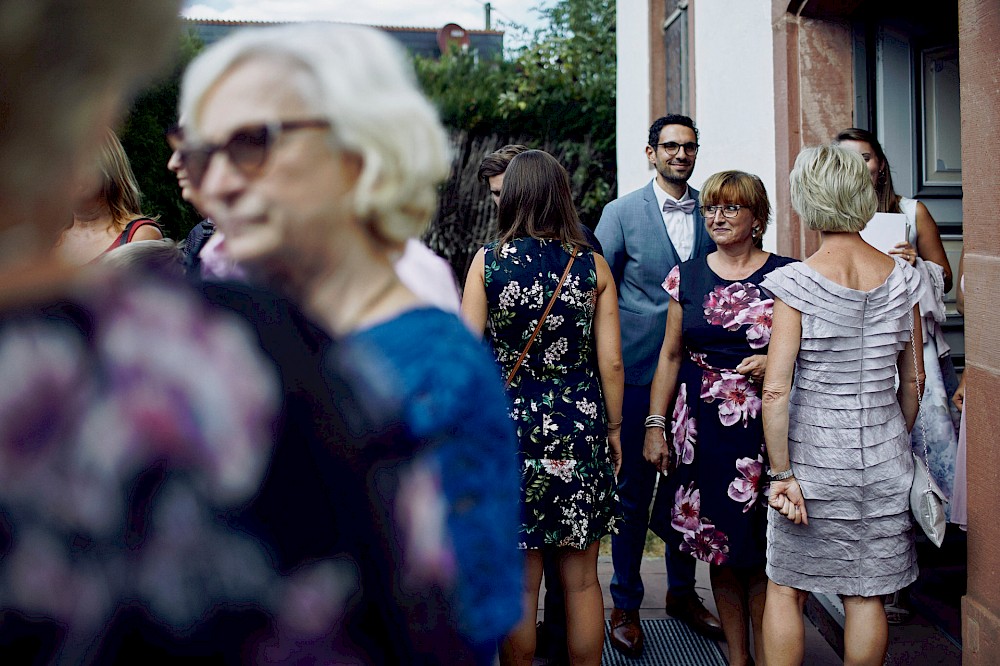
(847, 438)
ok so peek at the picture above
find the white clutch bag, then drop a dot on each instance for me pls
(927, 502)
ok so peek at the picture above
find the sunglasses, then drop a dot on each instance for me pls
(247, 148)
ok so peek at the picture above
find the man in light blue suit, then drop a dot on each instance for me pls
(644, 234)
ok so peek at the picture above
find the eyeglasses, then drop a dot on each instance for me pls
(727, 210)
(247, 149)
(672, 147)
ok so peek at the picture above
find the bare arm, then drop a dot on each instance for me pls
(147, 232)
(929, 246)
(960, 294)
(655, 448)
(911, 373)
(786, 335)
(474, 297)
(607, 334)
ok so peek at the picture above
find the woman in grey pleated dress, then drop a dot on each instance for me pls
(835, 426)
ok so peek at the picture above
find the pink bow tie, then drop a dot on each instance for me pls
(686, 206)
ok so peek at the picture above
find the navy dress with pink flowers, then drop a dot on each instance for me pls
(711, 504)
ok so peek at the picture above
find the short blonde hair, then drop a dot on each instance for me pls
(363, 84)
(832, 189)
(163, 256)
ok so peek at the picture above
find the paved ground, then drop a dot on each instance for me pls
(654, 577)
(931, 637)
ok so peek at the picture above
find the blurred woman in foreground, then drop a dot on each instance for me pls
(288, 140)
(178, 479)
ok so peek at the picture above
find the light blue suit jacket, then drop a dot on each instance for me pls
(639, 251)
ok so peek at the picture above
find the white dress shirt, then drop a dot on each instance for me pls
(680, 225)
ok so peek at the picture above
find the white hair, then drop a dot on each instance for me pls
(162, 255)
(361, 81)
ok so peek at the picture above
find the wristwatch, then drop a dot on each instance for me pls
(780, 476)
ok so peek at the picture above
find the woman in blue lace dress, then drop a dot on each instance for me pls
(315, 197)
(565, 395)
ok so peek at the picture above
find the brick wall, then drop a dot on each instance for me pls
(979, 63)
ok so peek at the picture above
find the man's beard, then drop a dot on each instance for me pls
(671, 177)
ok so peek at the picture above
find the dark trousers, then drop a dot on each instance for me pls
(635, 488)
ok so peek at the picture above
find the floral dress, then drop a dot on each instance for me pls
(711, 504)
(176, 478)
(568, 488)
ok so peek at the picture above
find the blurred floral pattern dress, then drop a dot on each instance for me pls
(568, 488)
(711, 505)
(128, 414)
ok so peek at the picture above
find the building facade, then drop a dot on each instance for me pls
(426, 42)
(765, 79)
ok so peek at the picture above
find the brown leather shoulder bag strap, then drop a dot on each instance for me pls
(545, 314)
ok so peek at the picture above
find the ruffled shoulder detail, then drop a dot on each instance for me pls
(809, 292)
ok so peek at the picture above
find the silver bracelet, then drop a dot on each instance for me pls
(656, 421)
(781, 476)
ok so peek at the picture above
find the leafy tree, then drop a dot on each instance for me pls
(565, 82)
(466, 90)
(557, 93)
(142, 135)
(558, 90)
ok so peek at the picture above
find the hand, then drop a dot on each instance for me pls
(906, 251)
(786, 497)
(753, 367)
(615, 449)
(655, 449)
(959, 398)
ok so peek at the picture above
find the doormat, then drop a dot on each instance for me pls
(667, 641)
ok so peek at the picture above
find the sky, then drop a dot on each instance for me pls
(408, 13)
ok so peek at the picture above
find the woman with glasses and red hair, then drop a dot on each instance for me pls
(704, 430)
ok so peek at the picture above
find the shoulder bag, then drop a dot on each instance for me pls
(541, 320)
(926, 499)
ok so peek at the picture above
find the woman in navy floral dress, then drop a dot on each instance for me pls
(710, 368)
(566, 396)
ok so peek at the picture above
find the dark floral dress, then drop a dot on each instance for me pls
(711, 504)
(568, 488)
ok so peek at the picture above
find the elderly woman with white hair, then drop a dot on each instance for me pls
(835, 425)
(316, 155)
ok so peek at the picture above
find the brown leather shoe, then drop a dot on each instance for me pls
(692, 611)
(626, 632)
